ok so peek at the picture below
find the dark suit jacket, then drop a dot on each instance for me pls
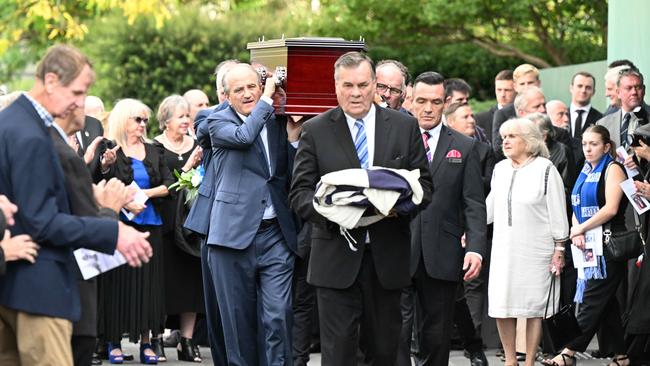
(500, 116)
(484, 120)
(576, 144)
(486, 157)
(198, 219)
(92, 129)
(326, 146)
(32, 178)
(3, 227)
(78, 184)
(457, 207)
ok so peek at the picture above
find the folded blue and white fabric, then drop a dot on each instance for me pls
(343, 196)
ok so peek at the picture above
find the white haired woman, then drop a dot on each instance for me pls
(183, 280)
(527, 206)
(132, 299)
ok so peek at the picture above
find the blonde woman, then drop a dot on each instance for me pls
(133, 299)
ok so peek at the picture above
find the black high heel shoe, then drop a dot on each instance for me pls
(188, 351)
(158, 348)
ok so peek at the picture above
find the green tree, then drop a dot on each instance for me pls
(149, 63)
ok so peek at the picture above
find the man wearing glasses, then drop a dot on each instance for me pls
(630, 90)
(391, 84)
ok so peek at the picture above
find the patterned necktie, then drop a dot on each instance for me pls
(425, 138)
(577, 124)
(361, 144)
(626, 123)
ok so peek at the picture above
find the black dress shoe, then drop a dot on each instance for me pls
(478, 359)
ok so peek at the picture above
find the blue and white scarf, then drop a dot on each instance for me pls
(584, 200)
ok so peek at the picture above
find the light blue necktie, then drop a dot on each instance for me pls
(361, 144)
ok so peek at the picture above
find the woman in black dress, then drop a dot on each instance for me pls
(132, 299)
(183, 280)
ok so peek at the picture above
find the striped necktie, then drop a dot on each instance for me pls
(425, 138)
(361, 144)
(624, 126)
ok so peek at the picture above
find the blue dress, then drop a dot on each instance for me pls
(148, 216)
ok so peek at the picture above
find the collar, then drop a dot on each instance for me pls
(370, 116)
(42, 112)
(584, 108)
(60, 131)
(434, 131)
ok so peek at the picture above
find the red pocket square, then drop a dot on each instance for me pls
(455, 154)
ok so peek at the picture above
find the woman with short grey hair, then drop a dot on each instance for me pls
(526, 204)
(183, 280)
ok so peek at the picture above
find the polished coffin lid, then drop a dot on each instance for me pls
(309, 61)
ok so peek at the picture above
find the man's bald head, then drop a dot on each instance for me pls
(558, 112)
(197, 99)
(93, 106)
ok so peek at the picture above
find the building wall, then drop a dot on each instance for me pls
(556, 81)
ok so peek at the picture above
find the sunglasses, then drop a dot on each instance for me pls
(139, 119)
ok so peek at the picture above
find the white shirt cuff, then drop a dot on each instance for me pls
(476, 254)
(268, 100)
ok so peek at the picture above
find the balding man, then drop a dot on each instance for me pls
(93, 106)
(252, 236)
(391, 83)
(198, 100)
(558, 112)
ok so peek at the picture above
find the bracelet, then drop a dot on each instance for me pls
(561, 249)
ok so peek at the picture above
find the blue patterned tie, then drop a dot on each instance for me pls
(361, 144)
(624, 127)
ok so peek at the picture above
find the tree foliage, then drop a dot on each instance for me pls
(544, 33)
(149, 63)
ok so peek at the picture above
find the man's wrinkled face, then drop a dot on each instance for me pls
(355, 89)
(559, 114)
(534, 103)
(428, 103)
(526, 80)
(505, 91)
(65, 99)
(630, 92)
(244, 89)
(390, 85)
(462, 120)
(582, 90)
(611, 92)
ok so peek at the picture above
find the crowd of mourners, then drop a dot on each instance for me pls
(284, 245)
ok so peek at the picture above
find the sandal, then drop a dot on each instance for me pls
(115, 359)
(620, 358)
(565, 357)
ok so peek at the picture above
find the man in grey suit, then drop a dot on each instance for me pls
(252, 236)
(621, 124)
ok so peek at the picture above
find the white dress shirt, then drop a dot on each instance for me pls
(573, 114)
(434, 136)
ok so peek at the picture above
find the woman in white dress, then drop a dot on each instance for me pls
(528, 209)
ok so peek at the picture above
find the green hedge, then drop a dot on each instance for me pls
(148, 63)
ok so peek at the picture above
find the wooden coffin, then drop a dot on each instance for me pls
(309, 64)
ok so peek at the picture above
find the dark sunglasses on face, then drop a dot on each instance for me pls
(139, 119)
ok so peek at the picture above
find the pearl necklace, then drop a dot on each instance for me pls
(172, 148)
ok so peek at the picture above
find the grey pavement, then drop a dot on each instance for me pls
(456, 358)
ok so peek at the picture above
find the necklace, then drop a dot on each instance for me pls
(176, 149)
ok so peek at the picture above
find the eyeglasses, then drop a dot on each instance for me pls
(393, 91)
(139, 119)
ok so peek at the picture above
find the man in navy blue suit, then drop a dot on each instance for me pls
(39, 301)
(252, 236)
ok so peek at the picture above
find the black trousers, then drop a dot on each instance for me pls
(364, 315)
(600, 305)
(82, 350)
(472, 341)
(212, 314)
(304, 300)
(436, 299)
(411, 315)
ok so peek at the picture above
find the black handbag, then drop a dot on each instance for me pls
(625, 245)
(562, 327)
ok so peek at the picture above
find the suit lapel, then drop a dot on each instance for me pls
(272, 136)
(343, 136)
(444, 141)
(257, 144)
(382, 132)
